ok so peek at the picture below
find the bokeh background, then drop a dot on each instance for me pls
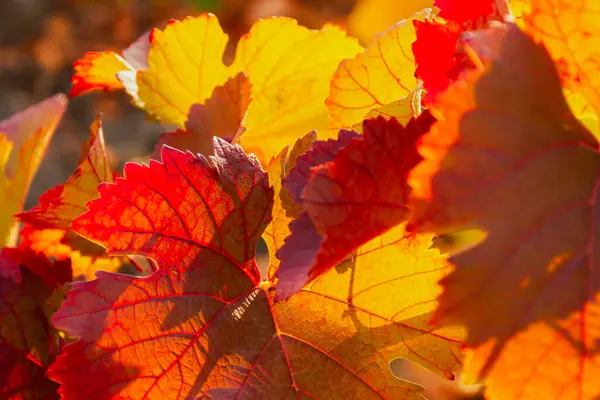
(40, 40)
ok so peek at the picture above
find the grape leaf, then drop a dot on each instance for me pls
(99, 70)
(48, 226)
(221, 115)
(369, 17)
(508, 157)
(26, 303)
(571, 33)
(290, 68)
(435, 54)
(355, 197)
(285, 210)
(383, 73)
(22, 379)
(28, 132)
(463, 11)
(203, 325)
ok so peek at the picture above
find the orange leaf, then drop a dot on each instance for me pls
(29, 132)
(508, 157)
(382, 74)
(99, 70)
(48, 226)
(571, 33)
(205, 327)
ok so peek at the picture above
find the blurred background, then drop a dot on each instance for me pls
(40, 40)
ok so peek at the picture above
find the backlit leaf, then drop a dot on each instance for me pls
(185, 64)
(508, 157)
(48, 226)
(99, 70)
(221, 115)
(25, 303)
(289, 67)
(369, 17)
(22, 379)
(285, 210)
(202, 326)
(23, 141)
(358, 195)
(383, 73)
(462, 11)
(571, 33)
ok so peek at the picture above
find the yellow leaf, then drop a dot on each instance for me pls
(30, 132)
(370, 17)
(289, 67)
(382, 74)
(185, 65)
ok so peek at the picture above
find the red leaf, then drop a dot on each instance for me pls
(22, 379)
(160, 206)
(435, 54)
(322, 151)
(354, 198)
(54, 274)
(462, 11)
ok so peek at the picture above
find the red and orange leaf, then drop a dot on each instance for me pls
(99, 70)
(571, 33)
(23, 141)
(462, 11)
(508, 157)
(357, 196)
(203, 325)
(384, 73)
(48, 226)
(221, 115)
(22, 379)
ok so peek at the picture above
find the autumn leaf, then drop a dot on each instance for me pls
(382, 74)
(24, 138)
(571, 33)
(48, 226)
(435, 52)
(462, 11)
(289, 67)
(508, 157)
(357, 194)
(205, 326)
(221, 115)
(26, 305)
(369, 17)
(22, 379)
(100, 70)
(285, 209)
